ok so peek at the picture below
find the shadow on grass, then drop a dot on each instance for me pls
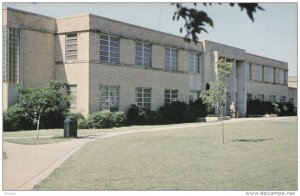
(251, 140)
(90, 136)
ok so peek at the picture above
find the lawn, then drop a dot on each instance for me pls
(257, 155)
(81, 132)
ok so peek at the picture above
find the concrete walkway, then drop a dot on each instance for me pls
(27, 165)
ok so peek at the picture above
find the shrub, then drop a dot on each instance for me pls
(84, 124)
(199, 108)
(14, 120)
(141, 116)
(255, 107)
(276, 108)
(103, 119)
(152, 117)
(119, 119)
(287, 109)
(176, 112)
(54, 119)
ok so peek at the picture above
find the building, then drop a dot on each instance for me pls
(292, 85)
(110, 64)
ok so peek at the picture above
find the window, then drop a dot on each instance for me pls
(109, 49)
(249, 97)
(72, 91)
(109, 98)
(260, 97)
(194, 95)
(71, 46)
(281, 76)
(271, 75)
(282, 99)
(170, 59)
(194, 62)
(143, 97)
(248, 71)
(10, 54)
(272, 98)
(291, 100)
(171, 95)
(143, 54)
(259, 73)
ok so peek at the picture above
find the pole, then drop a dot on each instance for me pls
(222, 123)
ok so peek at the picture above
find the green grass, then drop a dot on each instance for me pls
(259, 155)
(81, 132)
(34, 141)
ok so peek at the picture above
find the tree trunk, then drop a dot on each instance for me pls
(38, 127)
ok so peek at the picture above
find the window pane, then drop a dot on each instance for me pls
(71, 47)
(105, 37)
(114, 39)
(103, 59)
(104, 42)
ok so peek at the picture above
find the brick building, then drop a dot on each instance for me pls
(110, 64)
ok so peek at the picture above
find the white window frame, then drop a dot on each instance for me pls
(111, 105)
(144, 47)
(271, 75)
(172, 65)
(171, 95)
(248, 71)
(281, 76)
(143, 97)
(260, 70)
(72, 91)
(109, 47)
(11, 54)
(71, 48)
(194, 62)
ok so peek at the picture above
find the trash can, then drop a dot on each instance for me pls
(70, 127)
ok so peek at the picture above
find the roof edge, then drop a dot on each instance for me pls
(26, 12)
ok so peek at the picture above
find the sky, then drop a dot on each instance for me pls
(273, 33)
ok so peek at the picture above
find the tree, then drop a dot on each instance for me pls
(216, 95)
(38, 102)
(196, 20)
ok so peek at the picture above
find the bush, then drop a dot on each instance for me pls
(199, 108)
(141, 116)
(14, 120)
(176, 112)
(287, 109)
(119, 119)
(84, 124)
(53, 120)
(103, 119)
(255, 107)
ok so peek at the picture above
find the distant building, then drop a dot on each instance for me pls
(293, 86)
(110, 64)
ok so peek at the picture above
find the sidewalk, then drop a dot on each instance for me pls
(27, 165)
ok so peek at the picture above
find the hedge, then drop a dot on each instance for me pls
(260, 108)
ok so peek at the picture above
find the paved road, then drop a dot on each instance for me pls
(27, 165)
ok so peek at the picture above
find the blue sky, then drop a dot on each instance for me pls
(273, 34)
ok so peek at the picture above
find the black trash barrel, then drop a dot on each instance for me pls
(70, 127)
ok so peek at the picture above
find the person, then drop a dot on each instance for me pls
(232, 110)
